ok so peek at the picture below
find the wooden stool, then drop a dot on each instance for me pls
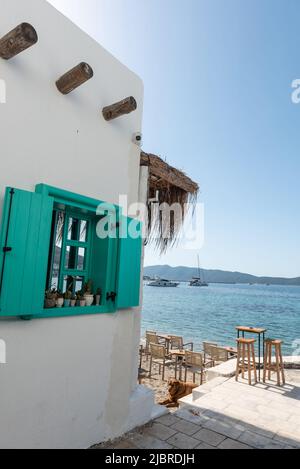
(246, 359)
(278, 366)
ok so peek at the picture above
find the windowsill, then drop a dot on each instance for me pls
(75, 311)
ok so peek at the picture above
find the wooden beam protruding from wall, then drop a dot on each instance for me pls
(17, 40)
(75, 78)
(126, 106)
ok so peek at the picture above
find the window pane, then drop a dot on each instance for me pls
(73, 284)
(55, 254)
(69, 284)
(81, 259)
(79, 283)
(71, 255)
(60, 225)
(83, 231)
(73, 229)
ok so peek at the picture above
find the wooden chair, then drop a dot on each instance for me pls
(246, 359)
(176, 343)
(207, 349)
(218, 355)
(151, 338)
(269, 365)
(194, 364)
(158, 356)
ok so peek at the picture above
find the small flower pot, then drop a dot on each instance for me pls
(89, 299)
(72, 303)
(59, 302)
(67, 303)
(49, 304)
(98, 300)
(82, 303)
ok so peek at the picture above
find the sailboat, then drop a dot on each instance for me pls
(198, 281)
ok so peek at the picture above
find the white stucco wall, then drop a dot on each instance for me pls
(68, 382)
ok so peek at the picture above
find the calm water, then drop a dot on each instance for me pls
(212, 313)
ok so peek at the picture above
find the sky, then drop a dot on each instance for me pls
(217, 76)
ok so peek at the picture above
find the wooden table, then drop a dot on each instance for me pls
(230, 351)
(258, 331)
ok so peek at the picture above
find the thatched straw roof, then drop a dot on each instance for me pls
(169, 186)
(161, 173)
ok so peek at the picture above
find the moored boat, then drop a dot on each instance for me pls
(197, 282)
(160, 282)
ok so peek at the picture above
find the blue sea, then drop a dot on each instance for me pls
(211, 314)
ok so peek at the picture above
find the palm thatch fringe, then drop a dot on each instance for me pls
(174, 194)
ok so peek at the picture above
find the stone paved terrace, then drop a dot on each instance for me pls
(227, 415)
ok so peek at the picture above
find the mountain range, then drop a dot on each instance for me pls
(185, 274)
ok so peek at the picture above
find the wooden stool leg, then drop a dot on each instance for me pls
(254, 363)
(238, 363)
(266, 361)
(282, 366)
(249, 364)
(243, 361)
(277, 365)
(270, 361)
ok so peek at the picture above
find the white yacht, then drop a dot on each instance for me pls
(160, 282)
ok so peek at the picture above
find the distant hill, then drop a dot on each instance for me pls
(185, 274)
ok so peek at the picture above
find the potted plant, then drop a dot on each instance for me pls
(98, 296)
(73, 301)
(81, 301)
(59, 300)
(50, 299)
(67, 299)
(88, 293)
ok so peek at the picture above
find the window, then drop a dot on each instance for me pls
(49, 239)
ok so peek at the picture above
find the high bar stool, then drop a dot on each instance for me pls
(276, 366)
(246, 359)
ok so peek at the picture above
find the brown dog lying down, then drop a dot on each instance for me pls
(177, 390)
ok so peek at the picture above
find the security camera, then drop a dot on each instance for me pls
(138, 139)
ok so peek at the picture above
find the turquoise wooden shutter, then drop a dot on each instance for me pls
(25, 236)
(129, 266)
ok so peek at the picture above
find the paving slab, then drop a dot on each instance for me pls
(210, 437)
(223, 428)
(145, 441)
(233, 444)
(182, 441)
(255, 440)
(168, 420)
(205, 446)
(185, 427)
(160, 431)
